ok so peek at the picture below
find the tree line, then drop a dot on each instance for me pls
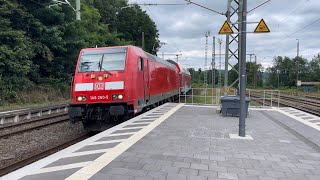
(39, 44)
(284, 73)
(254, 76)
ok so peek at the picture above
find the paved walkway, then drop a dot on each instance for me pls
(194, 143)
(176, 141)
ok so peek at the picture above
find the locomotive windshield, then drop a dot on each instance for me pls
(102, 60)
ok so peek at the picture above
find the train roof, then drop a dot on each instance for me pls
(150, 56)
(160, 60)
(179, 67)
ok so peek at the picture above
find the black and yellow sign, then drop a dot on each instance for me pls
(226, 28)
(262, 27)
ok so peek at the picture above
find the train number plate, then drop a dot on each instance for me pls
(98, 86)
(94, 98)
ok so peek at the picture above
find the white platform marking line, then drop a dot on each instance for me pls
(95, 166)
(144, 120)
(128, 128)
(261, 109)
(106, 142)
(140, 123)
(59, 168)
(300, 120)
(309, 119)
(200, 106)
(24, 171)
(87, 152)
(119, 134)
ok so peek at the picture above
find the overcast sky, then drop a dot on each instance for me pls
(183, 29)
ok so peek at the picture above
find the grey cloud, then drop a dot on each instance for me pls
(183, 28)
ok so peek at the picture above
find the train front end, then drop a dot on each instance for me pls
(99, 96)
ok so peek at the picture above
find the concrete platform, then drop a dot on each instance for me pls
(177, 141)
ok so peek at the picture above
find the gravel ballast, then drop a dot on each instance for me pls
(18, 147)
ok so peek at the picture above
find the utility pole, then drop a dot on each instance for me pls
(298, 48)
(78, 5)
(243, 44)
(226, 63)
(205, 60)
(232, 42)
(213, 62)
(66, 2)
(220, 63)
(177, 58)
(278, 71)
(297, 61)
(142, 41)
(255, 72)
(250, 67)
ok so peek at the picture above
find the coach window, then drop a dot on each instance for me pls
(140, 64)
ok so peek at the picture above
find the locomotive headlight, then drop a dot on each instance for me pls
(120, 96)
(117, 96)
(81, 98)
(114, 96)
(100, 78)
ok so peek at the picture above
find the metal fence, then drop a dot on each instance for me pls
(211, 96)
(264, 98)
(207, 96)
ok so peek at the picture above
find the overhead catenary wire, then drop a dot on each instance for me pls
(189, 1)
(160, 4)
(37, 3)
(293, 33)
(280, 41)
(259, 6)
(299, 6)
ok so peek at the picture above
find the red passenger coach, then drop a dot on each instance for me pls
(184, 78)
(113, 83)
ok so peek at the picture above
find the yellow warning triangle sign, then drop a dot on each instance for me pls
(262, 27)
(226, 28)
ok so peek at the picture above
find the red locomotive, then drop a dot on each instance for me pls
(112, 83)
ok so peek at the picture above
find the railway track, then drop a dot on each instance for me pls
(40, 155)
(302, 104)
(312, 97)
(302, 100)
(19, 128)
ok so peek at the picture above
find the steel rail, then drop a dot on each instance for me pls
(13, 133)
(293, 104)
(39, 155)
(44, 118)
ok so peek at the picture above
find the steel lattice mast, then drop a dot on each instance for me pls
(232, 43)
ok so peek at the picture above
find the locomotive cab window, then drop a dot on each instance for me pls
(140, 64)
(102, 60)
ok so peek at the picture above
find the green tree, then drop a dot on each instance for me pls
(131, 22)
(284, 71)
(314, 73)
(40, 45)
(254, 74)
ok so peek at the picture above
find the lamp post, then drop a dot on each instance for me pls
(66, 2)
(297, 65)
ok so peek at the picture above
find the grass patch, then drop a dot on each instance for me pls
(39, 96)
